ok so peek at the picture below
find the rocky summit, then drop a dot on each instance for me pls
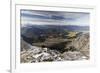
(76, 49)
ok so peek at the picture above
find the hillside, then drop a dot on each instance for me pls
(76, 49)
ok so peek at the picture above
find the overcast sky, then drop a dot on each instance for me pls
(33, 17)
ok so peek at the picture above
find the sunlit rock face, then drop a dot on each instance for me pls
(81, 43)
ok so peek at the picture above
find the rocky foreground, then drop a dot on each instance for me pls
(78, 49)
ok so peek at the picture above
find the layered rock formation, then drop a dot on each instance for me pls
(81, 43)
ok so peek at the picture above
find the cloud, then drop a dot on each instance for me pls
(54, 17)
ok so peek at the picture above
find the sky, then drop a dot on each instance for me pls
(36, 17)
